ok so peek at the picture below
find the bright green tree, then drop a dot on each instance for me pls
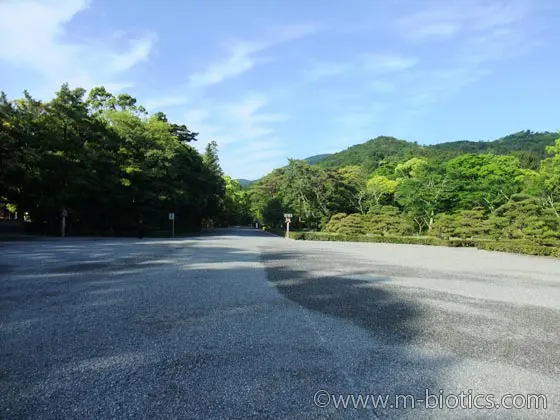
(423, 195)
(484, 180)
(381, 190)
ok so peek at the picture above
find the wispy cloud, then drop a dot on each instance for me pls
(240, 61)
(445, 19)
(388, 62)
(33, 36)
(244, 131)
(243, 55)
(497, 44)
(483, 32)
(457, 43)
(378, 64)
(252, 160)
(318, 70)
(138, 51)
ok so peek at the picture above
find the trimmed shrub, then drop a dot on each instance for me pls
(387, 220)
(464, 224)
(335, 222)
(513, 246)
(523, 217)
(381, 220)
(352, 224)
(520, 247)
(326, 236)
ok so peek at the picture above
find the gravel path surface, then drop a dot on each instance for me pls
(244, 325)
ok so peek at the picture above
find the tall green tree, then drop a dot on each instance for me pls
(523, 217)
(104, 160)
(548, 179)
(423, 195)
(381, 190)
(484, 180)
(353, 187)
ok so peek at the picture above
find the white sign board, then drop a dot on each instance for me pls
(171, 216)
(288, 215)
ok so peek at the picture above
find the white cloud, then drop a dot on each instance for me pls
(323, 69)
(445, 18)
(388, 62)
(139, 51)
(483, 32)
(32, 36)
(243, 55)
(381, 63)
(497, 44)
(244, 133)
(238, 62)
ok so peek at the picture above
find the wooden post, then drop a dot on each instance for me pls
(288, 219)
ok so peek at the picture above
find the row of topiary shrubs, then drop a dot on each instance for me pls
(514, 246)
(522, 218)
(383, 220)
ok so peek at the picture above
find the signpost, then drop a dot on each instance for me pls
(172, 218)
(288, 217)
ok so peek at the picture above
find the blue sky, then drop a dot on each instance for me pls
(271, 79)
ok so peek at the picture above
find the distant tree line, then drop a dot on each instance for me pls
(108, 163)
(395, 188)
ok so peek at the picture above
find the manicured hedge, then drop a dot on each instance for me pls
(325, 236)
(514, 246)
(520, 248)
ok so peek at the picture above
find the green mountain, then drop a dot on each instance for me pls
(372, 153)
(526, 141)
(530, 147)
(244, 182)
(312, 160)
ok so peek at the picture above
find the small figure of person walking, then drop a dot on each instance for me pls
(140, 228)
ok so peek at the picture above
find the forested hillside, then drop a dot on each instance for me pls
(112, 167)
(505, 190)
(316, 158)
(244, 182)
(528, 146)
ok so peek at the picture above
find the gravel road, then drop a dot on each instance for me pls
(243, 325)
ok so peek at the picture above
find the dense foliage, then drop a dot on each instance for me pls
(383, 151)
(114, 168)
(506, 190)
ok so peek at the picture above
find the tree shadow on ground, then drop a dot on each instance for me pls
(195, 339)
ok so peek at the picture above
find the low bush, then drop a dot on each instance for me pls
(513, 246)
(381, 220)
(326, 236)
(520, 247)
